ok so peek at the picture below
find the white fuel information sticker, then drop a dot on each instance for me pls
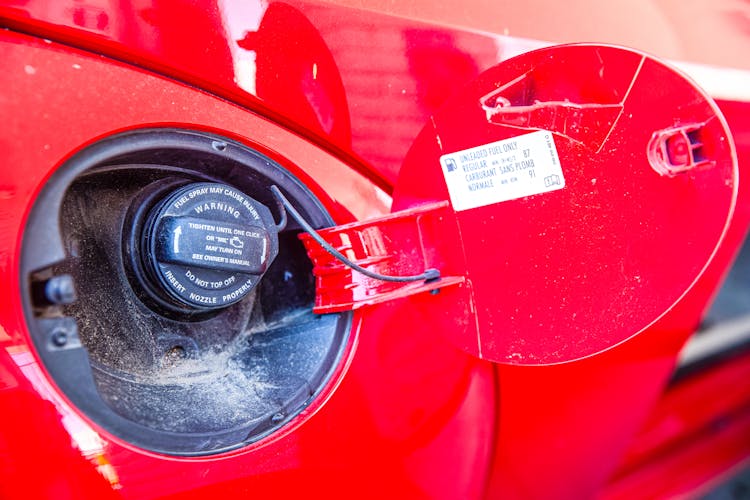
(503, 170)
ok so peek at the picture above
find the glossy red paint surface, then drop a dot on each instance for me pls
(686, 428)
(412, 416)
(614, 391)
(389, 93)
(366, 426)
(411, 66)
(616, 154)
(680, 433)
(554, 295)
(705, 33)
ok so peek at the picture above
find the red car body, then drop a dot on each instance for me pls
(338, 95)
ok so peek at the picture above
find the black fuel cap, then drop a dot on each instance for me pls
(207, 245)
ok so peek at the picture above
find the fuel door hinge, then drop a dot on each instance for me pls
(402, 243)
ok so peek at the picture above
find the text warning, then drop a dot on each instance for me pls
(503, 170)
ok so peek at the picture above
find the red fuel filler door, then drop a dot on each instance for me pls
(569, 197)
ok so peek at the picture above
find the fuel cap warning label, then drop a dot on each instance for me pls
(503, 170)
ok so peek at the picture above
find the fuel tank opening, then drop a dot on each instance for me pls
(166, 302)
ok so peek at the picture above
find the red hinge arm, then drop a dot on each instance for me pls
(402, 243)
